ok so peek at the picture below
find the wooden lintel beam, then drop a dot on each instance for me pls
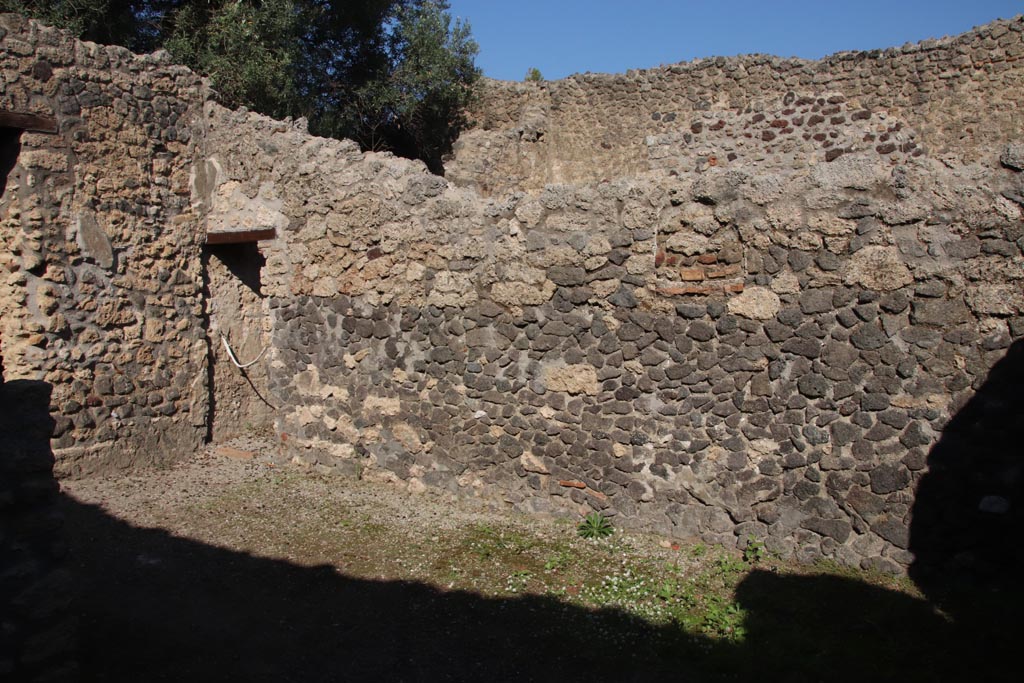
(240, 236)
(36, 123)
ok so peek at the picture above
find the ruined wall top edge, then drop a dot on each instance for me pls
(826, 63)
(963, 96)
(39, 34)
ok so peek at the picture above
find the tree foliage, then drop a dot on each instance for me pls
(248, 51)
(391, 74)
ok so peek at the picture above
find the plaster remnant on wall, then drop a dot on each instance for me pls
(879, 268)
(382, 406)
(996, 299)
(233, 207)
(521, 293)
(93, 239)
(408, 437)
(531, 463)
(202, 182)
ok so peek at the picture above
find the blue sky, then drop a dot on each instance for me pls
(561, 37)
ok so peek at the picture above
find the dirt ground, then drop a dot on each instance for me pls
(249, 570)
(221, 570)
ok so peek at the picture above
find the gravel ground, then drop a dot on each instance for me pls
(155, 497)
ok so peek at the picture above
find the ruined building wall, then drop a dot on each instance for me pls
(727, 353)
(762, 326)
(101, 289)
(960, 93)
(236, 275)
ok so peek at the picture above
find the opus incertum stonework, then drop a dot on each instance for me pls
(736, 297)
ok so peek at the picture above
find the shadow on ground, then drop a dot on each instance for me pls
(155, 607)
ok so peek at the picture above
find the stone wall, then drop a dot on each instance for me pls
(723, 353)
(762, 328)
(750, 315)
(101, 285)
(961, 93)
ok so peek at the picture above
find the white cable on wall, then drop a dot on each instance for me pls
(234, 360)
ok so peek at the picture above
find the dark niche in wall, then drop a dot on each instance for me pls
(242, 259)
(10, 147)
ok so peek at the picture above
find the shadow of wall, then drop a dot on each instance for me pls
(963, 533)
(37, 632)
(965, 513)
(967, 510)
(156, 607)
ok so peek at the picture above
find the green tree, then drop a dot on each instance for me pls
(533, 75)
(391, 74)
(404, 90)
(430, 81)
(248, 50)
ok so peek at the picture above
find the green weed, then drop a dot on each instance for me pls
(595, 525)
(557, 561)
(517, 581)
(755, 551)
(723, 619)
(486, 541)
